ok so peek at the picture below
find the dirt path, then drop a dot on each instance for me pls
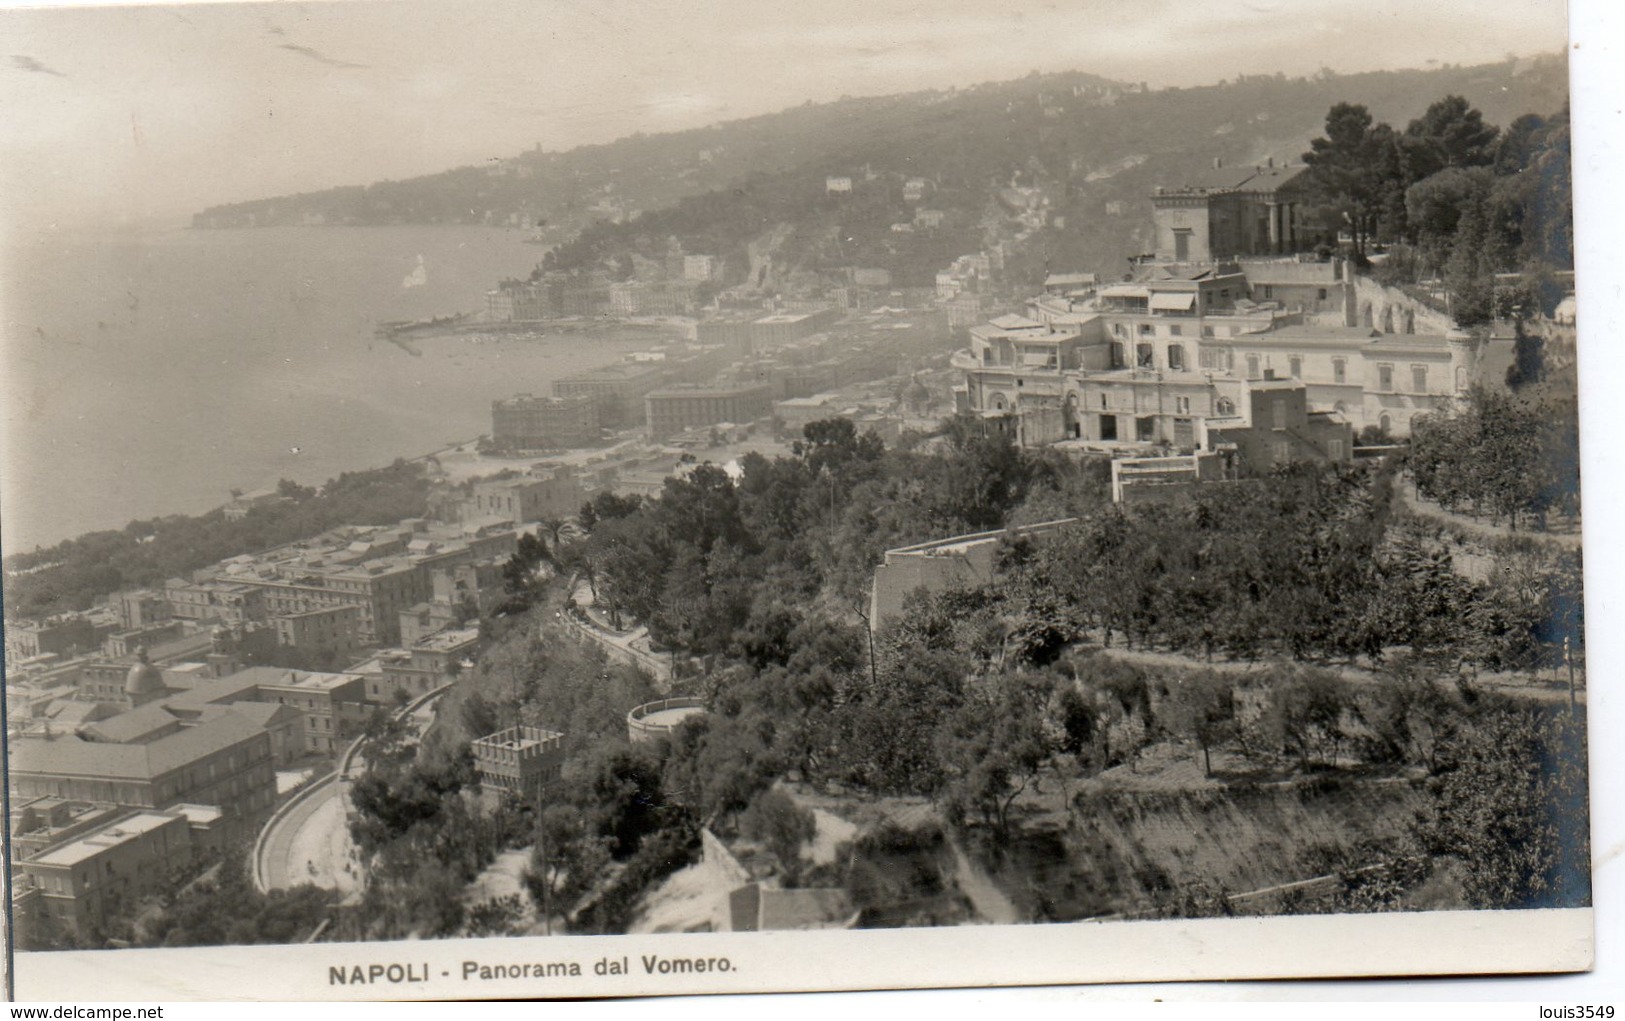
(1549, 686)
(991, 905)
(1566, 533)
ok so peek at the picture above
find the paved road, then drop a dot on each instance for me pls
(311, 844)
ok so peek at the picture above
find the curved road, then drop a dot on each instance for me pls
(310, 841)
(311, 844)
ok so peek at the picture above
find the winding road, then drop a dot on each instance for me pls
(308, 839)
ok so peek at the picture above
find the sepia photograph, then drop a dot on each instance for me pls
(534, 500)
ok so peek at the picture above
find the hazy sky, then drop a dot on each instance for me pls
(134, 112)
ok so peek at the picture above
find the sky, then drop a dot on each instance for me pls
(116, 114)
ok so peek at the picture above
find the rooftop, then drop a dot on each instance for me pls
(310, 681)
(449, 640)
(72, 756)
(91, 844)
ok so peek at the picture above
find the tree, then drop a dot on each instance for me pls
(1512, 805)
(1345, 170)
(1201, 707)
(1305, 713)
(566, 858)
(783, 827)
(1449, 134)
(994, 746)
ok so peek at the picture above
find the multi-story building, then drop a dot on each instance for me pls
(62, 636)
(785, 327)
(396, 675)
(334, 628)
(541, 423)
(223, 760)
(380, 571)
(674, 410)
(700, 268)
(1230, 212)
(334, 705)
(1275, 427)
(218, 600)
(1152, 361)
(86, 880)
(556, 493)
(142, 607)
(618, 389)
(125, 643)
(731, 333)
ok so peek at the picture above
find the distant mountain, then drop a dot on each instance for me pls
(1087, 152)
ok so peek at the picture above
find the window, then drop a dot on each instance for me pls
(1119, 330)
(1252, 367)
(1176, 331)
(1295, 367)
(1340, 370)
(1281, 451)
(1269, 292)
(1278, 412)
(1334, 449)
(1385, 377)
(1182, 244)
(1182, 405)
(1225, 407)
(1147, 330)
(1419, 379)
(1322, 294)
(1176, 356)
(1104, 404)
(1207, 331)
(1144, 357)
(1117, 355)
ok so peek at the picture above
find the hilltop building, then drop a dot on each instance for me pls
(1230, 212)
(1177, 355)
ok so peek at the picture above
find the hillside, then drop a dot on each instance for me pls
(1087, 149)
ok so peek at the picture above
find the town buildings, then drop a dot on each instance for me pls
(677, 409)
(401, 674)
(543, 493)
(524, 422)
(84, 879)
(1179, 354)
(333, 629)
(618, 390)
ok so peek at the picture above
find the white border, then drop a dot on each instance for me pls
(1398, 945)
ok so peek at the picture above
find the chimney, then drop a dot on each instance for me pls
(1269, 162)
(1269, 374)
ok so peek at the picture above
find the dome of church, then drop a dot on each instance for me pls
(144, 678)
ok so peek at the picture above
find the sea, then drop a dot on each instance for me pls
(146, 373)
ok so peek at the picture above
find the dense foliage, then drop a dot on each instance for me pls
(1509, 456)
(1462, 198)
